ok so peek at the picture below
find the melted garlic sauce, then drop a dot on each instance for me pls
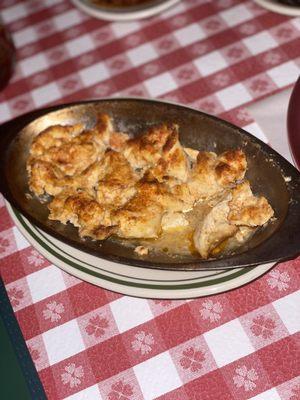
(175, 241)
(179, 240)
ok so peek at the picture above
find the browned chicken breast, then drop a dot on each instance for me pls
(173, 165)
(214, 229)
(213, 174)
(144, 151)
(101, 132)
(192, 154)
(117, 185)
(161, 194)
(231, 167)
(246, 209)
(54, 136)
(72, 158)
(238, 214)
(44, 177)
(118, 141)
(141, 216)
(66, 156)
(83, 211)
(149, 187)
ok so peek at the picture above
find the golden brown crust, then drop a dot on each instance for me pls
(173, 166)
(142, 215)
(72, 158)
(44, 177)
(237, 215)
(213, 174)
(82, 210)
(105, 183)
(231, 167)
(138, 220)
(144, 151)
(65, 156)
(117, 185)
(182, 192)
(202, 182)
(118, 141)
(247, 209)
(191, 153)
(102, 130)
(54, 136)
(214, 229)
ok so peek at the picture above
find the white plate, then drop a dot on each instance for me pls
(129, 15)
(280, 8)
(130, 280)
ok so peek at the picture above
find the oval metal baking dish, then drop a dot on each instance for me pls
(269, 174)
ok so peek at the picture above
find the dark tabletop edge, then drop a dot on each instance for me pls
(30, 375)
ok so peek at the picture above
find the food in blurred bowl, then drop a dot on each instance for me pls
(123, 10)
(120, 3)
(290, 2)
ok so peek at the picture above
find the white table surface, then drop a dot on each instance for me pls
(271, 113)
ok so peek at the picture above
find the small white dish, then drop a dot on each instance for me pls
(117, 14)
(274, 5)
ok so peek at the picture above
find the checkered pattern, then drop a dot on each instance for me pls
(89, 343)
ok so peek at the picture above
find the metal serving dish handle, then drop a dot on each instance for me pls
(268, 172)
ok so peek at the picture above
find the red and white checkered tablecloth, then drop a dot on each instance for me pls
(90, 343)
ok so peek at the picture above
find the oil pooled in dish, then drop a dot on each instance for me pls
(148, 191)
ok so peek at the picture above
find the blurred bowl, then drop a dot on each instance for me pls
(113, 11)
(286, 7)
(290, 2)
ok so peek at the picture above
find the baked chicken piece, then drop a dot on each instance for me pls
(105, 183)
(173, 166)
(210, 176)
(56, 136)
(83, 211)
(161, 194)
(118, 183)
(236, 215)
(213, 174)
(53, 136)
(118, 141)
(140, 217)
(246, 209)
(72, 158)
(192, 154)
(214, 229)
(100, 134)
(44, 177)
(173, 220)
(66, 156)
(47, 178)
(144, 151)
